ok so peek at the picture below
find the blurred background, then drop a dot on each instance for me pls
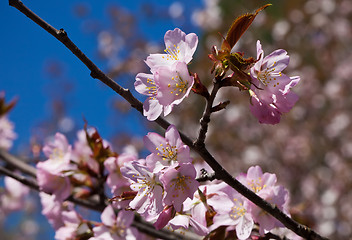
(310, 150)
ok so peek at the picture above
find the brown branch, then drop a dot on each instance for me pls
(17, 163)
(30, 182)
(220, 172)
(204, 121)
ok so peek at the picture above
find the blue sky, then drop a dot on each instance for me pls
(26, 50)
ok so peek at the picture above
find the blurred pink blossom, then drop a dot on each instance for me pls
(7, 134)
(13, 196)
(52, 209)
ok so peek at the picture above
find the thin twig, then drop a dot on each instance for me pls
(220, 172)
(204, 121)
(18, 163)
(30, 182)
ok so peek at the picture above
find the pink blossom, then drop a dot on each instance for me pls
(58, 152)
(114, 227)
(234, 214)
(13, 197)
(179, 48)
(53, 209)
(69, 230)
(148, 201)
(184, 221)
(256, 180)
(168, 86)
(82, 153)
(270, 90)
(52, 174)
(170, 81)
(164, 217)
(116, 181)
(179, 183)
(264, 185)
(56, 184)
(166, 151)
(277, 196)
(7, 134)
(203, 203)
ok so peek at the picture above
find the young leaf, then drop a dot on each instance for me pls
(238, 27)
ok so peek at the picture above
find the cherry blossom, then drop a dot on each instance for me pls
(72, 224)
(114, 226)
(164, 217)
(115, 179)
(179, 183)
(168, 86)
(270, 90)
(57, 184)
(179, 48)
(166, 151)
(82, 153)
(7, 134)
(170, 81)
(148, 201)
(52, 174)
(13, 196)
(277, 196)
(256, 180)
(264, 185)
(52, 209)
(58, 152)
(234, 214)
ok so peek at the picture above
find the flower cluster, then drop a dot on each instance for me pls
(80, 171)
(162, 188)
(169, 82)
(238, 213)
(270, 89)
(165, 192)
(164, 180)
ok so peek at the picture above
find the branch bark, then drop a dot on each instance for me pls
(18, 163)
(220, 172)
(204, 121)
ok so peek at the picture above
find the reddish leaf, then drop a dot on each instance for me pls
(238, 27)
(6, 107)
(96, 144)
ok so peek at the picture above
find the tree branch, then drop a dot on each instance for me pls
(204, 121)
(17, 163)
(220, 172)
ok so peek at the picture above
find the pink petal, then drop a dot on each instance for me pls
(108, 216)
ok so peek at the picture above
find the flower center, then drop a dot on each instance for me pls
(180, 184)
(238, 210)
(269, 75)
(168, 153)
(152, 89)
(145, 182)
(118, 230)
(256, 185)
(57, 154)
(180, 87)
(172, 53)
